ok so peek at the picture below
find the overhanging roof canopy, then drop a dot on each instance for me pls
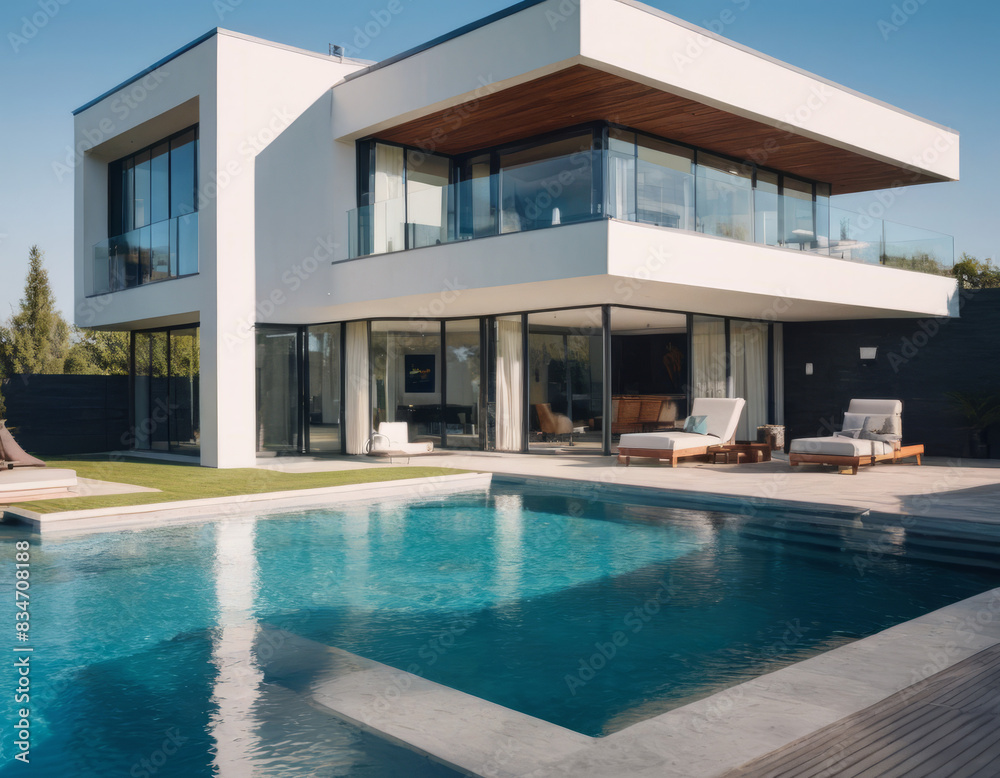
(581, 94)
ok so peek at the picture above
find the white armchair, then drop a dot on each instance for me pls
(393, 438)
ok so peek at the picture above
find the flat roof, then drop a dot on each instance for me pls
(208, 36)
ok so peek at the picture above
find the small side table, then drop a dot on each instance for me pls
(773, 435)
(739, 453)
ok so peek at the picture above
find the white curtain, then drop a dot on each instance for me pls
(748, 344)
(358, 421)
(510, 387)
(389, 209)
(708, 338)
(779, 373)
(622, 187)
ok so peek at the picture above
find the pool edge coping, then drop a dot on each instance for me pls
(692, 741)
(737, 504)
(215, 508)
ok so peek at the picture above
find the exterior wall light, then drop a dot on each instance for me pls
(869, 352)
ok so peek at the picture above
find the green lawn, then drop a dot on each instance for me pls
(190, 482)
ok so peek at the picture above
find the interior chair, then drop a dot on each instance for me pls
(552, 424)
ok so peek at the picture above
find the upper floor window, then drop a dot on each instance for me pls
(152, 216)
(159, 182)
(410, 198)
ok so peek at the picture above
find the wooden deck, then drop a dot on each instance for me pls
(947, 725)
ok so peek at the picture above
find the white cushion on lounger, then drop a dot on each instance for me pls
(840, 447)
(667, 441)
(722, 415)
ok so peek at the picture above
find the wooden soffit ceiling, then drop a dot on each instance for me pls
(582, 94)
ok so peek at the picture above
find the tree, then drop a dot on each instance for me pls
(36, 338)
(95, 352)
(973, 274)
(3, 407)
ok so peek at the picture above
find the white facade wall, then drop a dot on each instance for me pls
(243, 94)
(622, 263)
(513, 50)
(262, 91)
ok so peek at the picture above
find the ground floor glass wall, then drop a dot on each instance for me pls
(572, 379)
(165, 390)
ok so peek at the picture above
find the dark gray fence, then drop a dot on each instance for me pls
(68, 414)
(919, 361)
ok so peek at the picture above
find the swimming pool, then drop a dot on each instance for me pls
(591, 614)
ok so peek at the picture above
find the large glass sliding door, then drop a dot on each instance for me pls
(463, 383)
(565, 377)
(649, 371)
(184, 382)
(165, 387)
(324, 401)
(407, 376)
(731, 358)
(299, 389)
(278, 394)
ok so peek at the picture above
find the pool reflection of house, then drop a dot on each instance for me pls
(540, 208)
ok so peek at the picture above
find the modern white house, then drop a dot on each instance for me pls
(552, 226)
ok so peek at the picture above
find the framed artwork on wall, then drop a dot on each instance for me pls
(419, 373)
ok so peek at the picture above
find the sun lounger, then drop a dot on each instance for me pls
(721, 417)
(13, 454)
(872, 432)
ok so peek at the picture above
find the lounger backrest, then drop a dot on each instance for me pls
(877, 410)
(723, 414)
(396, 431)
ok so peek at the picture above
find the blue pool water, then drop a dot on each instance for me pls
(589, 614)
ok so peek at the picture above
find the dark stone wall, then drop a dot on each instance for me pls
(919, 360)
(68, 414)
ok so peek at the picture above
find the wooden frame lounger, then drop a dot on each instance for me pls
(854, 447)
(722, 416)
(904, 452)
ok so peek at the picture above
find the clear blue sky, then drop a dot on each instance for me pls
(942, 64)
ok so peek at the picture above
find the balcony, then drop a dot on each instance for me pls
(714, 198)
(157, 252)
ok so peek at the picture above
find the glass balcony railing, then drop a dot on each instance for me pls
(710, 202)
(860, 238)
(156, 252)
